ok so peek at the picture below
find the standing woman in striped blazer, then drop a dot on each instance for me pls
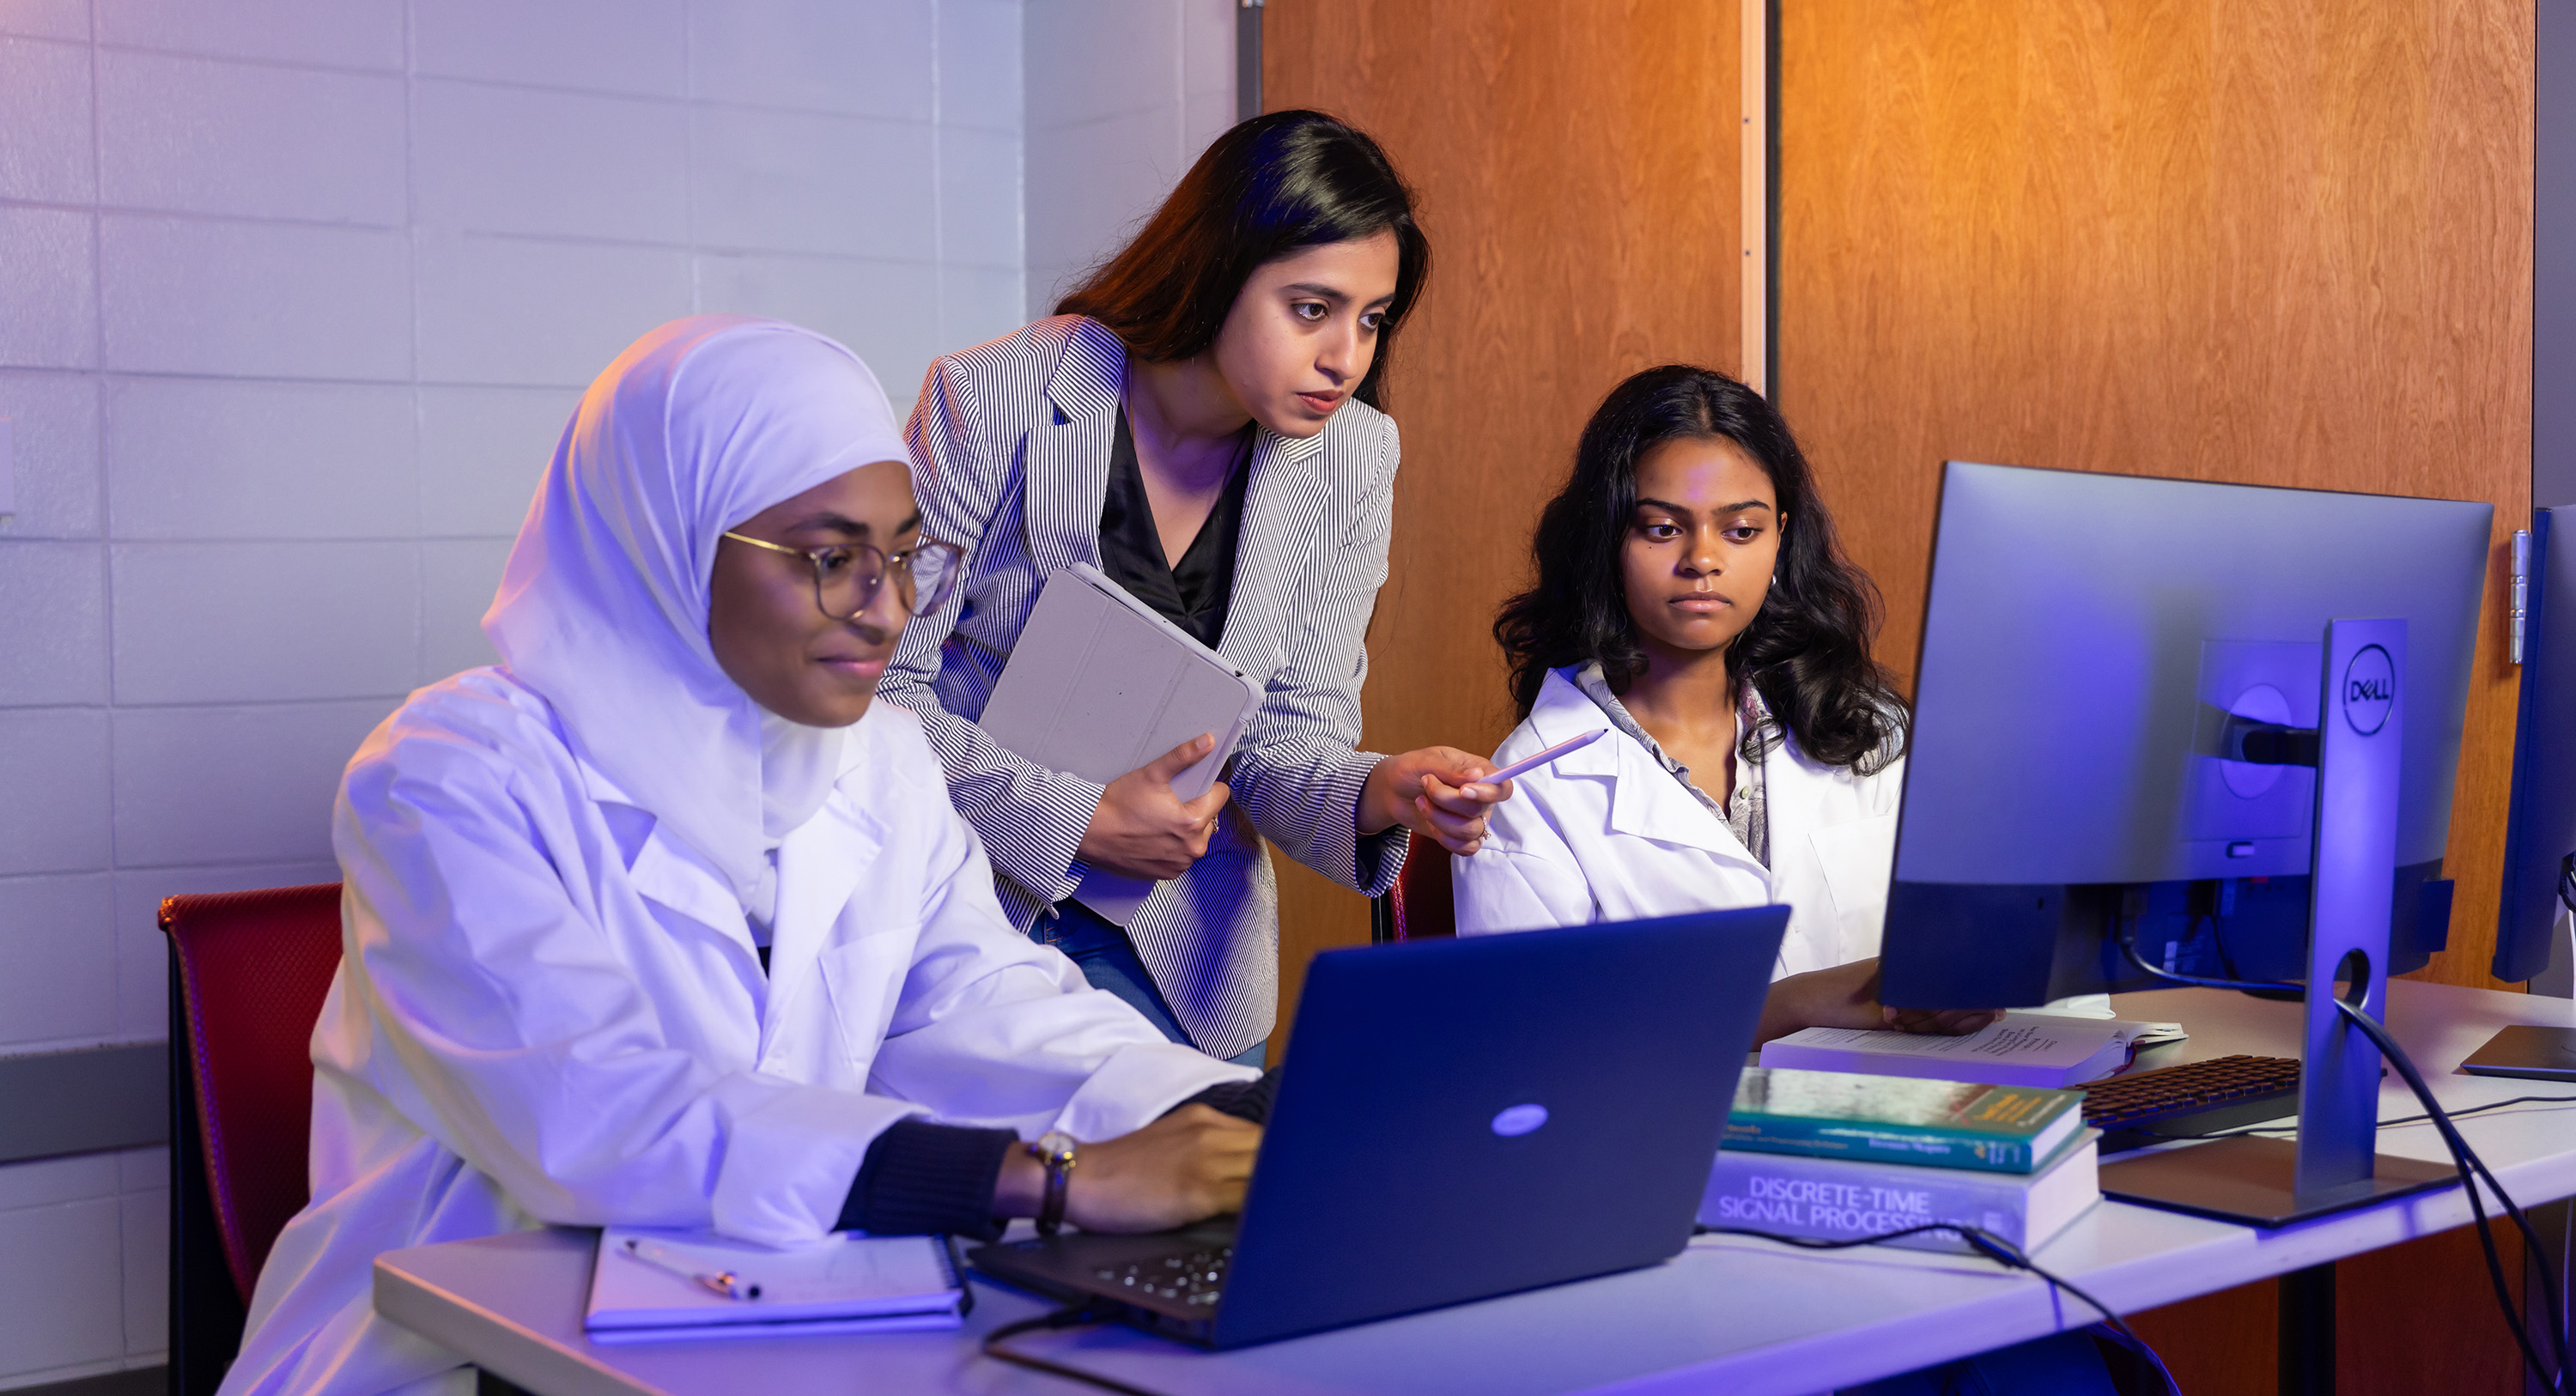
(1201, 421)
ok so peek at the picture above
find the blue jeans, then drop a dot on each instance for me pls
(1108, 961)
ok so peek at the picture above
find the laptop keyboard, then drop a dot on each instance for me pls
(1197, 1277)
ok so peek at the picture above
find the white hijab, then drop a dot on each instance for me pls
(603, 608)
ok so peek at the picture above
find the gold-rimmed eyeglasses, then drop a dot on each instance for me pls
(847, 575)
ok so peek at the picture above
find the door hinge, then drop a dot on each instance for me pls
(2518, 599)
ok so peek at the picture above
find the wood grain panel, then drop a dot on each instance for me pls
(2421, 1316)
(2272, 241)
(2415, 1317)
(2269, 241)
(1577, 165)
(2222, 1344)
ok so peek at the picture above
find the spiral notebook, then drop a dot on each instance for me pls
(847, 1284)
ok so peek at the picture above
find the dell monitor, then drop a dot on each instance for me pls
(2540, 834)
(2219, 723)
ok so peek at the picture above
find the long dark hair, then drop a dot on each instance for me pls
(1806, 651)
(1270, 186)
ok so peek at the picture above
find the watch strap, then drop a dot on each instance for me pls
(1055, 1151)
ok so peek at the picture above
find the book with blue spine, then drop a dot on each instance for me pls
(1900, 1119)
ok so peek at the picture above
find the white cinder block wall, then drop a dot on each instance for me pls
(295, 296)
(1122, 96)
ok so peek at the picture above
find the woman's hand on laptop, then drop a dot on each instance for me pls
(1846, 996)
(1141, 829)
(1192, 1164)
(1433, 792)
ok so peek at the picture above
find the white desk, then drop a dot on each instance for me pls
(1742, 1316)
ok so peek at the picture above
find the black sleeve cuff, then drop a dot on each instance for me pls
(1245, 1100)
(925, 1179)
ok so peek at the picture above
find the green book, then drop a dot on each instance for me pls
(1900, 1119)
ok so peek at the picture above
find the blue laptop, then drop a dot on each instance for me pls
(1457, 1119)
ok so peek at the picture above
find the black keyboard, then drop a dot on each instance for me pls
(1196, 1277)
(2195, 1098)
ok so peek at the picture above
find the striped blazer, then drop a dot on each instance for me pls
(1011, 443)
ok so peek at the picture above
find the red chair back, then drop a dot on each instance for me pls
(250, 970)
(1422, 903)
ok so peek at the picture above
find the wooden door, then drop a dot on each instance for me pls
(2271, 241)
(1578, 170)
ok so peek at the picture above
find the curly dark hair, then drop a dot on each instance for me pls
(1806, 651)
(1270, 187)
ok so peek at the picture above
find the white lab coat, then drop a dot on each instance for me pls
(550, 1011)
(1607, 834)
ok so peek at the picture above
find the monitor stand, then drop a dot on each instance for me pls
(2334, 1164)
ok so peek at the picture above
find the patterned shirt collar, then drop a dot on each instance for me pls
(1745, 812)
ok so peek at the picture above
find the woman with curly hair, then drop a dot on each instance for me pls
(1691, 599)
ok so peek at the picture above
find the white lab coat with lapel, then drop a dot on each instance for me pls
(550, 1011)
(1607, 834)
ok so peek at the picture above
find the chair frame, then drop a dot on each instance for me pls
(206, 1309)
(1387, 913)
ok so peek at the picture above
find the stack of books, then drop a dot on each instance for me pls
(1838, 1155)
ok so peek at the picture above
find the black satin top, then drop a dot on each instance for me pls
(1195, 593)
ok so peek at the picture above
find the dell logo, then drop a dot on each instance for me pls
(1518, 1120)
(2369, 689)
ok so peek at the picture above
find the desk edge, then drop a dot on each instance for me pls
(490, 1341)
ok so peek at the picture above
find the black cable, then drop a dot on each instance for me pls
(2468, 1162)
(2218, 937)
(2471, 1168)
(2463, 1158)
(2383, 1124)
(1988, 1244)
(1073, 1317)
(2128, 940)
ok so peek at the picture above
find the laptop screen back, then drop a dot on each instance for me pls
(1464, 1118)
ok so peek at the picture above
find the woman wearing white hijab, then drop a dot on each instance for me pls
(664, 922)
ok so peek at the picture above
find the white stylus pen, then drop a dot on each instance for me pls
(726, 1283)
(1528, 764)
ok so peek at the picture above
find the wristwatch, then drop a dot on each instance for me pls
(1055, 1150)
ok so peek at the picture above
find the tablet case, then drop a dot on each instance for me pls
(1098, 685)
(2541, 1053)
